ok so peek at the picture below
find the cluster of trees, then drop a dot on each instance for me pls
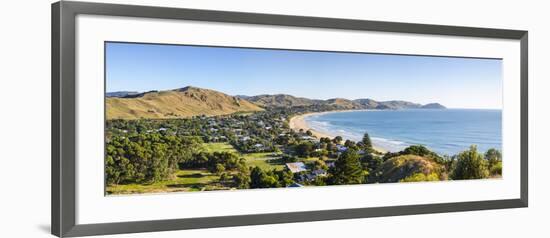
(471, 164)
(146, 157)
(260, 178)
(216, 162)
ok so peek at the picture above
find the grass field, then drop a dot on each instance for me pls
(219, 147)
(265, 161)
(185, 180)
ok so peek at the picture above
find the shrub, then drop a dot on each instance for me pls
(470, 165)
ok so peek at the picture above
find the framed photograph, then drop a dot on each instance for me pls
(167, 119)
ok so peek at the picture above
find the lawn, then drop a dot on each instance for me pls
(264, 160)
(218, 147)
(184, 180)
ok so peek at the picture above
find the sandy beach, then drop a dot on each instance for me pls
(298, 122)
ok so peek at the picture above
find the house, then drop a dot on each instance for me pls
(341, 148)
(296, 167)
(319, 172)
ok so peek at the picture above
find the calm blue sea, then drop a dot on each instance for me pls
(445, 131)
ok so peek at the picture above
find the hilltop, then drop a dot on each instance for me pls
(177, 103)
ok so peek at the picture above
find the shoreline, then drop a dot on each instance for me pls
(298, 122)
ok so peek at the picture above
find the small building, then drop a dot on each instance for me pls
(341, 148)
(319, 172)
(296, 167)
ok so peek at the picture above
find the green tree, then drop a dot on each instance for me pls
(304, 149)
(366, 141)
(470, 165)
(262, 179)
(494, 161)
(347, 169)
(219, 168)
(242, 178)
(337, 140)
(285, 178)
(371, 162)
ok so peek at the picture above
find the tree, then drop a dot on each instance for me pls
(242, 178)
(493, 156)
(319, 164)
(347, 169)
(285, 177)
(470, 165)
(262, 179)
(366, 141)
(349, 144)
(371, 162)
(494, 161)
(219, 168)
(223, 177)
(288, 158)
(309, 133)
(337, 140)
(304, 149)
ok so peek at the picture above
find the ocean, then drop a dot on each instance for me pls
(445, 131)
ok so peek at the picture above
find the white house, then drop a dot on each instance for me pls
(296, 167)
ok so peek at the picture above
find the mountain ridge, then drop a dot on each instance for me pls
(285, 100)
(193, 101)
(177, 103)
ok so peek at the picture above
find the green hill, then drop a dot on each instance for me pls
(178, 103)
(410, 168)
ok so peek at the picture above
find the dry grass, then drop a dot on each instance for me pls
(180, 103)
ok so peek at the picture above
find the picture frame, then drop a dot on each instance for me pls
(64, 107)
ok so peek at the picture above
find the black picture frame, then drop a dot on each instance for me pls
(64, 133)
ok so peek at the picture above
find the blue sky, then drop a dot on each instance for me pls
(453, 82)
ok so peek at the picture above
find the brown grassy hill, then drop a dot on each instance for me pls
(409, 168)
(178, 103)
(342, 103)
